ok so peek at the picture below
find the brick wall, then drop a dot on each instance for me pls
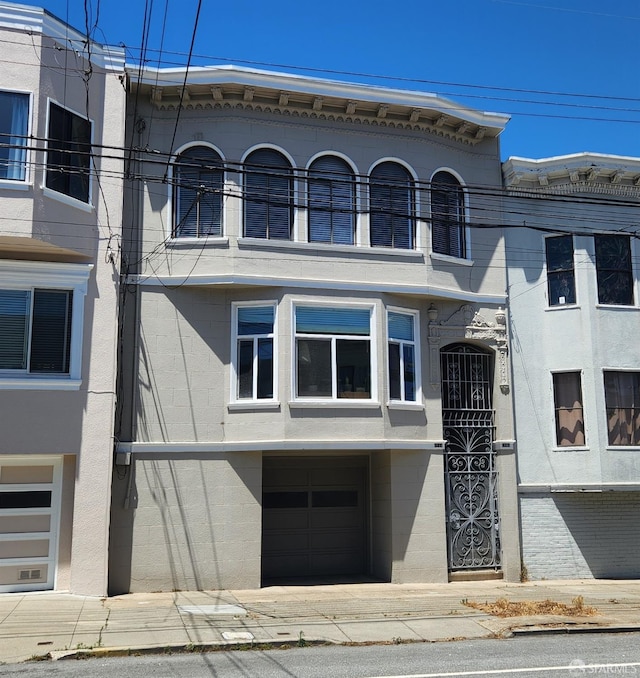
(574, 535)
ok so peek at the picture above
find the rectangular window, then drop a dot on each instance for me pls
(560, 273)
(14, 121)
(35, 326)
(567, 396)
(254, 363)
(622, 399)
(68, 153)
(402, 356)
(333, 352)
(613, 269)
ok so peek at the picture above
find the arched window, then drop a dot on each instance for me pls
(447, 216)
(268, 188)
(198, 182)
(391, 206)
(331, 189)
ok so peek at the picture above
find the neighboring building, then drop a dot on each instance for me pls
(574, 296)
(61, 206)
(310, 264)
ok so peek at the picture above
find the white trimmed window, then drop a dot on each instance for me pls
(41, 319)
(567, 396)
(392, 207)
(68, 153)
(333, 352)
(622, 399)
(403, 374)
(14, 123)
(254, 351)
(614, 269)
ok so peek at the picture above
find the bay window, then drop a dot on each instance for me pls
(613, 269)
(561, 285)
(333, 352)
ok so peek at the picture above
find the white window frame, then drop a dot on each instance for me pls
(466, 257)
(373, 366)
(57, 195)
(22, 184)
(254, 400)
(556, 445)
(29, 275)
(416, 357)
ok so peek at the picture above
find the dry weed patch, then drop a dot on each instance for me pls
(510, 608)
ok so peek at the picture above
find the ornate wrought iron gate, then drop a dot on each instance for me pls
(473, 534)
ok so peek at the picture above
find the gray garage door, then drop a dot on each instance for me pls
(313, 517)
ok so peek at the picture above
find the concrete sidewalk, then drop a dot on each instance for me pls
(60, 625)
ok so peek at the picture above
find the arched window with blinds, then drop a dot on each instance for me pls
(392, 212)
(331, 196)
(268, 195)
(198, 178)
(448, 222)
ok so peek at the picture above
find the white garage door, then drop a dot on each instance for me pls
(29, 521)
(314, 517)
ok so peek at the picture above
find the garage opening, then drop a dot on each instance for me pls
(314, 518)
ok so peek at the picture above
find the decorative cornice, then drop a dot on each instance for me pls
(593, 173)
(286, 94)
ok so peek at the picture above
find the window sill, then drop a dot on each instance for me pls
(251, 405)
(207, 241)
(571, 448)
(39, 384)
(623, 448)
(335, 404)
(313, 248)
(405, 405)
(617, 307)
(14, 185)
(562, 307)
(67, 199)
(451, 260)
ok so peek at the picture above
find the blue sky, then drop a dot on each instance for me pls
(565, 70)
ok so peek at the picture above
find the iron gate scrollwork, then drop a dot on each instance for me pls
(470, 473)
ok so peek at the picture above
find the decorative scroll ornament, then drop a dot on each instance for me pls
(467, 323)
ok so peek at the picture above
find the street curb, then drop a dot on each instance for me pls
(550, 630)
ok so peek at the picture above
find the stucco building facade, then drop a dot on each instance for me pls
(61, 103)
(315, 358)
(572, 261)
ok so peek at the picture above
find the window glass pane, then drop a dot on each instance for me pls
(622, 397)
(255, 320)
(14, 324)
(400, 326)
(569, 414)
(198, 185)
(334, 498)
(614, 272)
(409, 372)
(320, 320)
(24, 500)
(391, 206)
(560, 272)
(314, 367)
(265, 368)
(245, 368)
(331, 201)
(68, 153)
(51, 331)
(268, 195)
(285, 500)
(395, 387)
(354, 370)
(14, 112)
(447, 215)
